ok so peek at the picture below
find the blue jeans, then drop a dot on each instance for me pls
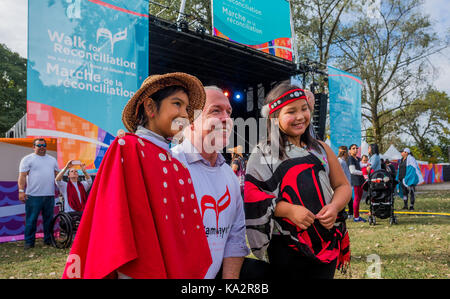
(33, 206)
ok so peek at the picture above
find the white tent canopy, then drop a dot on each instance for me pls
(392, 153)
(364, 148)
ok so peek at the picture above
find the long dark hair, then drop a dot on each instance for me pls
(342, 151)
(374, 149)
(306, 137)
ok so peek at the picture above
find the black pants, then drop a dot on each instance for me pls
(350, 207)
(252, 269)
(287, 263)
(408, 191)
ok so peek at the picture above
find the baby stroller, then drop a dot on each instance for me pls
(380, 196)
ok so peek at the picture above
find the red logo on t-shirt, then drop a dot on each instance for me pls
(208, 202)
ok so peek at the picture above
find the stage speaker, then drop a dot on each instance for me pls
(320, 115)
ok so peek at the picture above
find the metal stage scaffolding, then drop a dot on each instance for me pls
(174, 47)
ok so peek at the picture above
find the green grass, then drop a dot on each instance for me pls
(39, 262)
(417, 247)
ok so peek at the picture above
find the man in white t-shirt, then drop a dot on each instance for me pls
(73, 191)
(37, 190)
(216, 186)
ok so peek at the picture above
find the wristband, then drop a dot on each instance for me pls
(21, 190)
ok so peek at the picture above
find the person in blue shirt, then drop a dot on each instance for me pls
(374, 158)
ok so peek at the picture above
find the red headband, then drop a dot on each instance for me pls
(286, 98)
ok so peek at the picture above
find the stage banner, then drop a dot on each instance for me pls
(432, 173)
(262, 25)
(345, 108)
(86, 58)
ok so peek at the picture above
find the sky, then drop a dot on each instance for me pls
(13, 33)
(439, 10)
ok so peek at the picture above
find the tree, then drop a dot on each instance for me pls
(316, 23)
(197, 12)
(13, 88)
(385, 45)
(388, 53)
(426, 122)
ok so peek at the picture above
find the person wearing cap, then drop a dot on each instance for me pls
(408, 176)
(141, 219)
(295, 193)
(216, 185)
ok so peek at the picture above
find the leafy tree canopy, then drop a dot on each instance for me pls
(13, 88)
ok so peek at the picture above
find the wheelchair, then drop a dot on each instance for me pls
(64, 226)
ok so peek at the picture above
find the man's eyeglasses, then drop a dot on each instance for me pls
(40, 145)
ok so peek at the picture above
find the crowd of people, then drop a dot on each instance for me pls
(160, 211)
(358, 170)
(39, 174)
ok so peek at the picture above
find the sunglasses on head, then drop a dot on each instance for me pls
(40, 145)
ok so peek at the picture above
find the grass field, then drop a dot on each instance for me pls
(417, 247)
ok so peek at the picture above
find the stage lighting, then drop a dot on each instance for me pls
(238, 96)
(226, 93)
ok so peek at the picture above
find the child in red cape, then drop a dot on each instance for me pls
(141, 218)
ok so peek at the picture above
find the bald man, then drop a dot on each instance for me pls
(216, 186)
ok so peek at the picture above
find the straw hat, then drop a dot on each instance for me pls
(154, 83)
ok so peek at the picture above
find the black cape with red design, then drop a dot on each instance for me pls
(298, 180)
(141, 218)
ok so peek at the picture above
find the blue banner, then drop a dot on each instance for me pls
(264, 25)
(86, 58)
(345, 108)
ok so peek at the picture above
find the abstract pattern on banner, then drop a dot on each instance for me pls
(86, 58)
(432, 173)
(12, 214)
(345, 108)
(262, 25)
